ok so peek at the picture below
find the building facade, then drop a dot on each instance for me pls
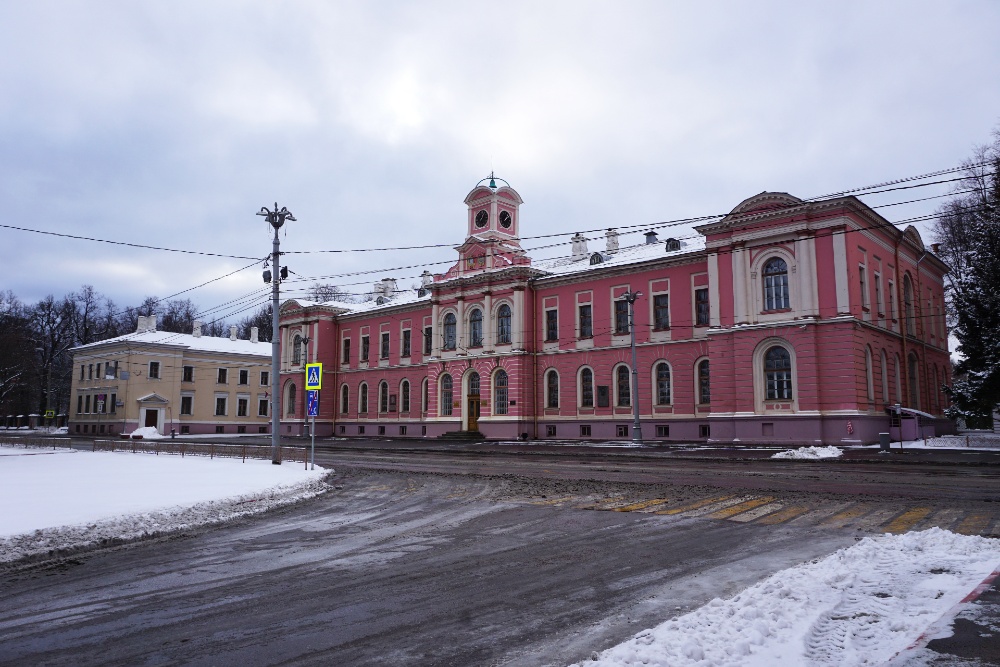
(185, 383)
(786, 322)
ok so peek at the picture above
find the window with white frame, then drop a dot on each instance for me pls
(777, 374)
(621, 317)
(446, 395)
(586, 314)
(704, 382)
(623, 388)
(662, 383)
(242, 406)
(154, 370)
(221, 405)
(383, 397)
(586, 388)
(503, 324)
(776, 295)
(500, 395)
(345, 399)
(551, 325)
(187, 405)
(863, 284)
(475, 328)
(552, 389)
(661, 311)
(363, 399)
(448, 331)
(404, 396)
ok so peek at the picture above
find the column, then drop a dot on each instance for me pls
(488, 332)
(517, 320)
(461, 344)
(435, 330)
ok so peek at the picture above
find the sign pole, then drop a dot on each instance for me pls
(314, 382)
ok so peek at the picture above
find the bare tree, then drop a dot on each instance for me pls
(323, 292)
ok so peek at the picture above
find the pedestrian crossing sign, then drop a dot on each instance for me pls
(314, 376)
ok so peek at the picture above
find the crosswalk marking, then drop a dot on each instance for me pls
(784, 515)
(642, 505)
(907, 520)
(741, 507)
(715, 507)
(763, 510)
(974, 524)
(695, 505)
(841, 519)
(875, 519)
(945, 518)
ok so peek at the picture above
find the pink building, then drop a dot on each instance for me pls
(785, 322)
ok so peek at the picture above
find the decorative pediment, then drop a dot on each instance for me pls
(766, 201)
(152, 398)
(913, 236)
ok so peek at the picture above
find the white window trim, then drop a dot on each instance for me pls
(759, 388)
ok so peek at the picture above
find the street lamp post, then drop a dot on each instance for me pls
(48, 384)
(636, 427)
(276, 219)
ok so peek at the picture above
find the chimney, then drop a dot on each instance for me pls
(141, 326)
(579, 247)
(936, 248)
(651, 237)
(232, 333)
(151, 322)
(612, 241)
(253, 334)
(388, 287)
(196, 329)
(426, 279)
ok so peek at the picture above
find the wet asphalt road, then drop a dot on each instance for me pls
(391, 569)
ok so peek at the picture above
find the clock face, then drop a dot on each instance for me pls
(482, 218)
(505, 219)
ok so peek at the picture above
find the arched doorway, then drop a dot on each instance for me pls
(472, 402)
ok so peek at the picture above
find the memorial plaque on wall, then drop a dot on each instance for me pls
(392, 402)
(603, 396)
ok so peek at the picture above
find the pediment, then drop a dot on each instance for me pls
(765, 201)
(152, 398)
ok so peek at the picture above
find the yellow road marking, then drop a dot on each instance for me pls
(945, 518)
(841, 519)
(695, 505)
(741, 507)
(783, 515)
(642, 505)
(974, 524)
(907, 520)
(551, 501)
(600, 504)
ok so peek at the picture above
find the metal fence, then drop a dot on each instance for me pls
(40, 443)
(211, 450)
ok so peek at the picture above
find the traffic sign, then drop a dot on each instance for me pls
(314, 376)
(312, 403)
(49, 414)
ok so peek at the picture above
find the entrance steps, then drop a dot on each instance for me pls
(462, 436)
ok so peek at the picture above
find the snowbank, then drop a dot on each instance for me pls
(147, 433)
(858, 606)
(810, 453)
(70, 499)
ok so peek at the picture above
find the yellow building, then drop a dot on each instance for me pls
(186, 383)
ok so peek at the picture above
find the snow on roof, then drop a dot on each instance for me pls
(643, 252)
(201, 343)
(399, 298)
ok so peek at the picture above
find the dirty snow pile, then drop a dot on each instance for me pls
(68, 499)
(859, 606)
(810, 453)
(147, 433)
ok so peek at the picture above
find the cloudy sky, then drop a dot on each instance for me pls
(170, 124)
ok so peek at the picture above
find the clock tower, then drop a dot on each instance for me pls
(493, 210)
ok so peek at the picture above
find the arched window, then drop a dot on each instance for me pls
(935, 389)
(500, 398)
(552, 389)
(913, 369)
(449, 331)
(345, 399)
(778, 374)
(290, 406)
(869, 374)
(446, 396)
(474, 384)
(624, 391)
(704, 384)
(899, 381)
(363, 400)
(885, 378)
(424, 394)
(476, 328)
(297, 350)
(908, 305)
(503, 324)
(776, 285)
(383, 397)
(662, 383)
(404, 396)
(586, 388)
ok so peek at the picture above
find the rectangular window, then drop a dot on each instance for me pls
(79, 405)
(661, 311)
(621, 431)
(892, 300)
(406, 343)
(83, 371)
(187, 374)
(261, 407)
(662, 431)
(242, 407)
(381, 430)
(550, 431)
(86, 404)
(361, 430)
(187, 405)
(154, 370)
(345, 352)
(241, 428)
(621, 317)
(265, 378)
(584, 430)
(98, 371)
(220, 429)
(263, 429)
(704, 431)
(384, 352)
(402, 430)
(90, 371)
(244, 377)
(114, 403)
(879, 307)
(428, 339)
(551, 325)
(586, 321)
(701, 309)
(223, 377)
(863, 282)
(220, 406)
(185, 429)
(364, 348)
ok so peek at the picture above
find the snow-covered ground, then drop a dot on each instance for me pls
(809, 453)
(859, 606)
(66, 498)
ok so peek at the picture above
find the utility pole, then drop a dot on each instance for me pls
(636, 428)
(276, 219)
